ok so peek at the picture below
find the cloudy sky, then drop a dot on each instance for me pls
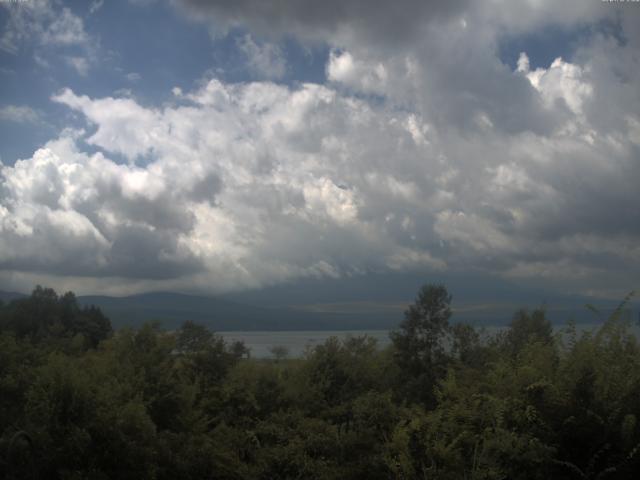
(215, 146)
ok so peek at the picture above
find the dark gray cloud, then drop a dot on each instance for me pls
(143, 253)
(380, 25)
(439, 56)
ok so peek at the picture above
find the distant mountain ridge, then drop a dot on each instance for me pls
(8, 296)
(172, 309)
(248, 313)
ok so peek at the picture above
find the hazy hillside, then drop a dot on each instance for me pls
(172, 309)
(8, 296)
(296, 310)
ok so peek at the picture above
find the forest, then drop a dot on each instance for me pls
(444, 400)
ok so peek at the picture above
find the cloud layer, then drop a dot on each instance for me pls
(45, 27)
(422, 151)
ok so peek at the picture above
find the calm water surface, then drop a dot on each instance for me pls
(297, 342)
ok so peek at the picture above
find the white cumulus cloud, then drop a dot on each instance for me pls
(423, 150)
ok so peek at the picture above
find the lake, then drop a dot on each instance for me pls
(296, 342)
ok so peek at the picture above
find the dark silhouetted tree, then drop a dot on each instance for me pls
(420, 343)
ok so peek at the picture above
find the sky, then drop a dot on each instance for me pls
(216, 146)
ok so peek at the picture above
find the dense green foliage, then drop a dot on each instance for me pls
(442, 401)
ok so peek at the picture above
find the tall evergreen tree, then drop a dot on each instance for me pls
(420, 343)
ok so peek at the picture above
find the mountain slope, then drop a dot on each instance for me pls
(324, 306)
(6, 297)
(171, 309)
